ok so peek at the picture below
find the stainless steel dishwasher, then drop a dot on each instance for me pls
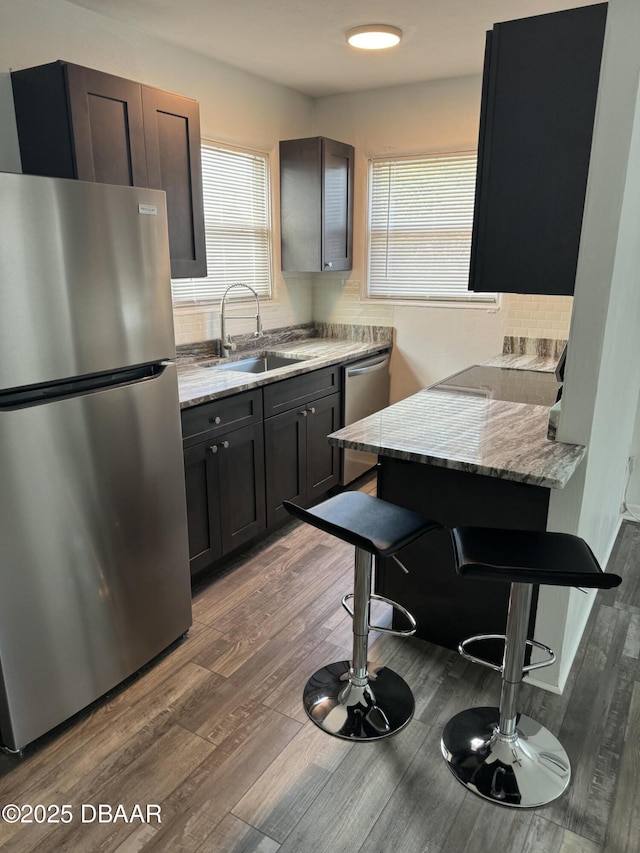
(366, 390)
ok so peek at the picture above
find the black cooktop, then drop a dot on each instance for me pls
(504, 383)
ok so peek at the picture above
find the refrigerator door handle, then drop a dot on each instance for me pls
(35, 395)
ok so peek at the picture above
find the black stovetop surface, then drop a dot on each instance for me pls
(504, 383)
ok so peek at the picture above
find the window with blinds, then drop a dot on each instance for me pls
(420, 219)
(237, 225)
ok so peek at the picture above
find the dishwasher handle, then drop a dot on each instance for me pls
(370, 367)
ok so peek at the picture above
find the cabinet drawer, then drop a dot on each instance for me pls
(229, 413)
(285, 395)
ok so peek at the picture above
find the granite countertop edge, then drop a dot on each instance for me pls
(495, 438)
(201, 382)
(548, 480)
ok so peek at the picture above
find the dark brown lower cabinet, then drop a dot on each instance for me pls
(225, 494)
(301, 466)
(323, 459)
(240, 466)
(285, 444)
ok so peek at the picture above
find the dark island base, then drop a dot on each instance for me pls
(447, 608)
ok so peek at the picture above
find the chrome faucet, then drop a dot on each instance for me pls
(226, 343)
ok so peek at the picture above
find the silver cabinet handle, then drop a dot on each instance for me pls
(225, 444)
(329, 264)
(311, 409)
(215, 420)
(303, 413)
(214, 448)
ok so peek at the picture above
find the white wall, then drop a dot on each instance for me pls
(431, 342)
(603, 368)
(235, 107)
(633, 492)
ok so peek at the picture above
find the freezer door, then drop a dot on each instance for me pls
(84, 279)
(94, 555)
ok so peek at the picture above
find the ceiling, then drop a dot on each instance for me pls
(301, 43)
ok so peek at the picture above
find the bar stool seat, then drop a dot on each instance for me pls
(497, 753)
(344, 698)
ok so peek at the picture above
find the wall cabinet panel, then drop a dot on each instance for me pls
(540, 87)
(75, 122)
(316, 204)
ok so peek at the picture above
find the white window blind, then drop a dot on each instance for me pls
(420, 219)
(237, 225)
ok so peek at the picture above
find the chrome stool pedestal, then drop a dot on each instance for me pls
(348, 699)
(497, 753)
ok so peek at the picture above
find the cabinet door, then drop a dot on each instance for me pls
(337, 205)
(316, 204)
(106, 120)
(285, 462)
(240, 459)
(538, 105)
(203, 506)
(172, 139)
(323, 459)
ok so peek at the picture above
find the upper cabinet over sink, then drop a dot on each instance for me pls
(539, 93)
(74, 122)
(316, 204)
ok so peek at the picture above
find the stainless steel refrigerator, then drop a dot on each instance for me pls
(94, 577)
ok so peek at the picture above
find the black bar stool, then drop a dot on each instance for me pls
(344, 698)
(497, 753)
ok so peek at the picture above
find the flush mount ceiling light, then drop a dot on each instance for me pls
(374, 36)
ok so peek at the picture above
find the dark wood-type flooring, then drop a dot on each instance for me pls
(215, 733)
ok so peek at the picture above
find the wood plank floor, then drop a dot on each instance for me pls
(215, 734)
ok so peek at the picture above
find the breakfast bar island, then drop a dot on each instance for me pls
(471, 450)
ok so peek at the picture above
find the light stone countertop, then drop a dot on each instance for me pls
(543, 364)
(469, 432)
(201, 382)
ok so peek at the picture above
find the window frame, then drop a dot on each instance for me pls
(189, 303)
(468, 299)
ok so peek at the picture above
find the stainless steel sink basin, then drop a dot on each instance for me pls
(258, 364)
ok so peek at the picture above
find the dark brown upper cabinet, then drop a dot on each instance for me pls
(75, 122)
(539, 93)
(316, 205)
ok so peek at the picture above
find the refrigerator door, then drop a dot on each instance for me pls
(84, 279)
(94, 555)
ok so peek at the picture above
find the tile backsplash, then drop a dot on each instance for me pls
(533, 316)
(338, 300)
(334, 300)
(291, 307)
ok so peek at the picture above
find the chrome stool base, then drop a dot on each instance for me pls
(527, 770)
(380, 708)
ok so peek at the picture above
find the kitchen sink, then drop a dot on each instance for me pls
(258, 364)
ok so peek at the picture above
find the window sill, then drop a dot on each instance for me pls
(490, 304)
(214, 305)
